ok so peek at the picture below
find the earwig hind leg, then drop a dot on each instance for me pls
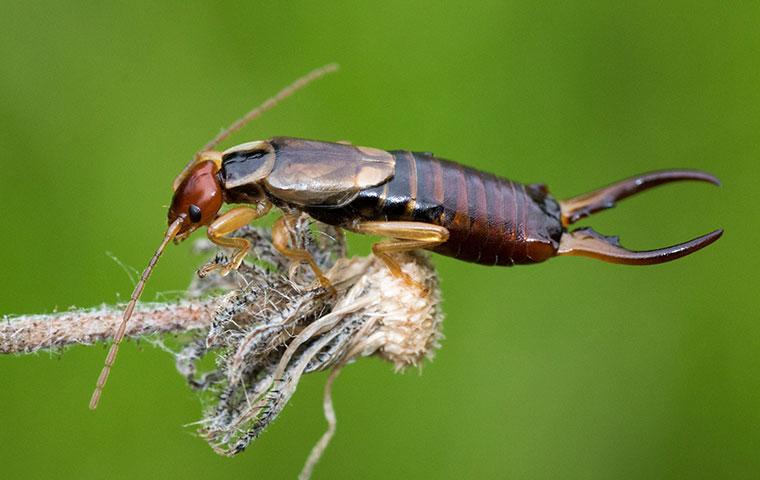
(224, 225)
(406, 236)
(281, 239)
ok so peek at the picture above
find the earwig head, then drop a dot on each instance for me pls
(198, 196)
(197, 199)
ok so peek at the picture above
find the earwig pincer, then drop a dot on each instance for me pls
(417, 200)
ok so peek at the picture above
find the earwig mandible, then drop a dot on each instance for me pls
(416, 199)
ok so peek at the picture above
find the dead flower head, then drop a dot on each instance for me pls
(261, 328)
(273, 327)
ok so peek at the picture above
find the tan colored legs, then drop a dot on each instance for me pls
(407, 236)
(281, 239)
(224, 225)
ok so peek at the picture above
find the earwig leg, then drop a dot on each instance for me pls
(281, 238)
(224, 225)
(407, 236)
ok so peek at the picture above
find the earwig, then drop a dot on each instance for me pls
(416, 199)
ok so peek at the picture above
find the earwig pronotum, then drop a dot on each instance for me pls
(418, 200)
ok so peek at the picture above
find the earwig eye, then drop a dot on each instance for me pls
(195, 213)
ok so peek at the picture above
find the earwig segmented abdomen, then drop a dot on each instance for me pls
(491, 220)
(415, 198)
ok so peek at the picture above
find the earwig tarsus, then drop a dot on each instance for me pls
(416, 199)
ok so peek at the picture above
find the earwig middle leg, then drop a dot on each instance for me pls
(281, 238)
(224, 225)
(407, 236)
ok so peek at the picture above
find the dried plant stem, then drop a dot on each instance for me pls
(30, 333)
(324, 441)
(264, 328)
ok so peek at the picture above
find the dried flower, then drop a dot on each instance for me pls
(266, 326)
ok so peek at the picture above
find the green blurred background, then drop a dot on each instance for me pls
(570, 369)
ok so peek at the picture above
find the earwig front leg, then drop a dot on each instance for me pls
(281, 238)
(226, 224)
(407, 236)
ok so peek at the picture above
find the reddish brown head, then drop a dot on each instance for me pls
(197, 199)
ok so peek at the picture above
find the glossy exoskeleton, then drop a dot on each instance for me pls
(416, 200)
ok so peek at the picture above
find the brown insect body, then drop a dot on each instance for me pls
(416, 200)
(482, 218)
(491, 220)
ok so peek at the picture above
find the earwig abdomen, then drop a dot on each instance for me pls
(491, 220)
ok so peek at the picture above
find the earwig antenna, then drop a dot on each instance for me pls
(270, 103)
(111, 357)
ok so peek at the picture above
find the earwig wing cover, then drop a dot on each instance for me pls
(310, 173)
